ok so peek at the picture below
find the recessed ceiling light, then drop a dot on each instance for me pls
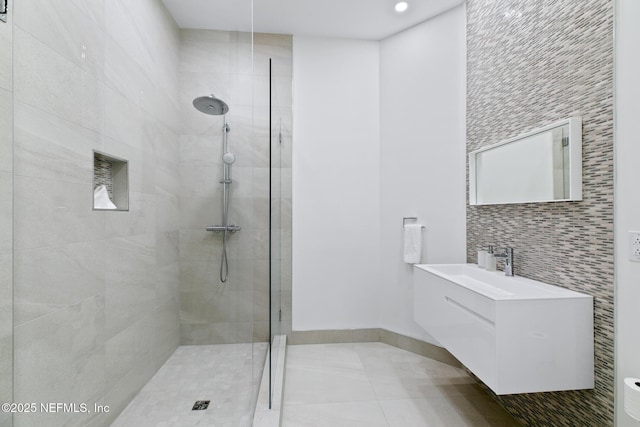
(401, 6)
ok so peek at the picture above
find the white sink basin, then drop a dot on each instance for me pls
(517, 335)
(497, 286)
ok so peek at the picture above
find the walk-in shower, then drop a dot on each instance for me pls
(93, 302)
(217, 107)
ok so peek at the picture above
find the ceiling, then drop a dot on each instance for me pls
(357, 19)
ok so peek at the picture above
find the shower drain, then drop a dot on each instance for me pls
(200, 405)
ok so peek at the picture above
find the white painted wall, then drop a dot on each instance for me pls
(369, 149)
(336, 203)
(627, 199)
(422, 170)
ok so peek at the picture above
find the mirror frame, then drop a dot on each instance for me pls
(575, 162)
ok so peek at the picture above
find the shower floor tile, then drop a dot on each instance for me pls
(226, 375)
(374, 384)
(363, 384)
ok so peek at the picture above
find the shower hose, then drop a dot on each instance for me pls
(224, 262)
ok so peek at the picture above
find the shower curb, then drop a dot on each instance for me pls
(263, 416)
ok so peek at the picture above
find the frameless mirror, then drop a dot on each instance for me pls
(544, 165)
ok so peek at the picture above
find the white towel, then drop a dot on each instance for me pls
(101, 198)
(412, 243)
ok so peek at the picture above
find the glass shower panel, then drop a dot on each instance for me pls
(6, 217)
(275, 188)
(277, 52)
(186, 170)
(223, 158)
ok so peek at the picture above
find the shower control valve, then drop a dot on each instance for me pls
(220, 228)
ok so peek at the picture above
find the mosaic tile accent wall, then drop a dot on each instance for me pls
(531, 63)
(103, 174)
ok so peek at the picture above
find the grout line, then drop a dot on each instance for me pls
(373, 389)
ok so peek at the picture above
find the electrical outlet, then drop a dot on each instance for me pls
(634, 246)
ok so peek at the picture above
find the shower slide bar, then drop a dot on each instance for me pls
(221, 228)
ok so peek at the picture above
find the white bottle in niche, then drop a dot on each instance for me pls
(490, 260)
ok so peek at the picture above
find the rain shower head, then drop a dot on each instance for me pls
(211, 105)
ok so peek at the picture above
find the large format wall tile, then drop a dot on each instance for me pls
(6, 130)
(6, 296)
(94, 9)
(201, 150)
(60, 358)
(167, 279)
(65, 28)
(166, 324)
(141, 218)
(167, 208)
(125, 75)
(6, 371)
(6, 212)
(130, 289)
(125, 121)
(139, 29)
(234, 67)
(54, 277)
(126, 24)
(96, 292)
(205, 51)
(49, 147)
(50, 82)
(50, 213)
(128, 351)
(6, 217)
(6, 332)
(6, 54)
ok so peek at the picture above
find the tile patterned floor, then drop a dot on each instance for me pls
(332, 385)
(373, 384)
(227, 375)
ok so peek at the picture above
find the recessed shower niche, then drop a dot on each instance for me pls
(110, 182)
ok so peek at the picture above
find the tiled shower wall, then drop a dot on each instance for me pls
(6, 217)
(234, 67)
(531, 64)
(96, 293)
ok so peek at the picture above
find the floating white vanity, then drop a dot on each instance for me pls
(517, 335)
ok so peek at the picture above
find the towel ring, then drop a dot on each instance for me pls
(410, 218)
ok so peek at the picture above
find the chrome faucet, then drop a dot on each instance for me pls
(508, 261)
